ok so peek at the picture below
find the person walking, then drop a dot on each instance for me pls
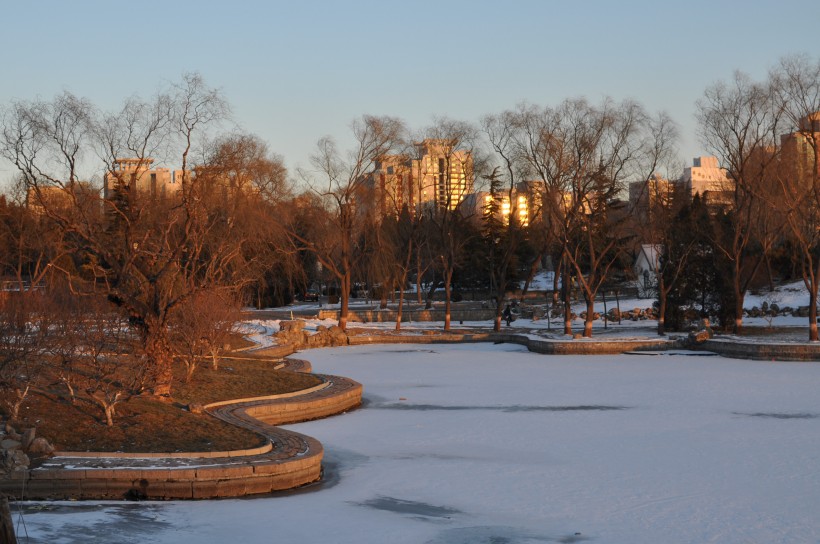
(507, 314)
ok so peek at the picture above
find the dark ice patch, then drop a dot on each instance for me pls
(413, 508)
(391, 351)
(775, 415)
(500, 535)
(507, 409)
(132, 523)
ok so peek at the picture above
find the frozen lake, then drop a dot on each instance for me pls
(487, 443)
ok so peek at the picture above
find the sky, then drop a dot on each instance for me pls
(296, 71)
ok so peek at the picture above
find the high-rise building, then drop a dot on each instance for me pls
(646, 195)
(138, 177)
(800, 150)
(439, 174)
(707, 179)
(445, 173)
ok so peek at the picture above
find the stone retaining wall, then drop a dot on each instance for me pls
(289, 460)
(293, 459)
(387, 316)
(536, 345)
(202, 482)
(765, 352)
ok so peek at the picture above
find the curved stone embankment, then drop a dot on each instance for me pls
(289, 460)
(538, 345)
(783, 351)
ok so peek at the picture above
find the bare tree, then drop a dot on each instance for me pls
(149, 253)
(739, 123)
(201, 326)
(338, 182)
(506, 233)
(796, 82)
(585, 154)
(450, 157)
(657, 202)
(94, 352)
(23, 331)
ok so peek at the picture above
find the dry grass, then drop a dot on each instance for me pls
(149, 424)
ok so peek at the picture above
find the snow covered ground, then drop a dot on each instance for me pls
(793, 295)
(482, 443)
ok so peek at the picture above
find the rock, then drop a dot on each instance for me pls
(699, 337)
(28, 437)
(13, 461)
(295, 325)
(196, 408)
(10, 444)
(40, 447)
(338, 337)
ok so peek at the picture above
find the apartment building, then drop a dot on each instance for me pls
(138, 176)
(437, 174)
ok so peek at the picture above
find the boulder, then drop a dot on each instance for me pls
(10, 444)
(40, 447)
(699, 337)
(13, 461)
(28, 437)
(294, 325)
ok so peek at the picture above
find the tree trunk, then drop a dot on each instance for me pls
(401, 287)
(418, 276)
(109, 415)
(6, 524)
(813, 336)
(448, 276)
(739, 295)
(345, 299)
(661, 310)
(567, 292)
(159, 356)
(590, 317)
(15, 405)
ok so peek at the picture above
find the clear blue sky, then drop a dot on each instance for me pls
(294, 71)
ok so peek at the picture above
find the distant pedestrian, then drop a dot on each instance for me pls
(507, 314)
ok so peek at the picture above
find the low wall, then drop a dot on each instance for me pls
(765, 352)
(243, 477)
(289, 460)
(591, 346)
(387, 316)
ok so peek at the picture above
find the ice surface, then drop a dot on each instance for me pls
(495, 444)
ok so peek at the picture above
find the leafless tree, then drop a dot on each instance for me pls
(796, 83)
(585, 153)
(24, 328)
(149, 253)
(502, 131)
(657, 203)
(455, 157)
(739, 123)
(94, 352)
(338, 181)
(201, 326)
